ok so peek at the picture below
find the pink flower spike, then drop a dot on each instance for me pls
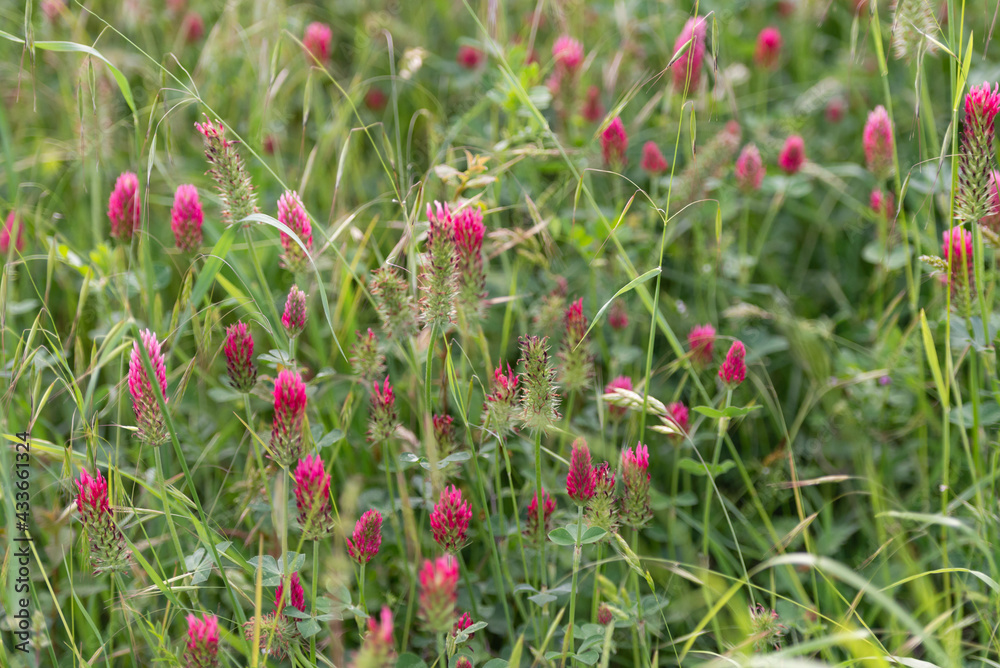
(548, 507)
(383, 420)
(377, 649)
(878, 142)
(749, 169)
(289, 415)
(701, 343)
(294, 317)
(464, 622)
(202, 648)
(292, 214)
(470, 57)
(316, 40)
(239, 357)
(186, 218)
(653, 161)
(981, 107)
(124, 207)
(793, 155)
(734, 370)
(312, 497)
(8, 232)
(635, 510)
(581, 480)
(296, 592)
(882, 203)
(768, 48)
(107, 544)
(450, 519)
(193, 27)
(438, 593)
(678, 412)
(568, 53)
(366, 540)
(687, 68)
(144, 403)
(614, 143)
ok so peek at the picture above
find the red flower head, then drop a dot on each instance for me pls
(877, 142)
(701, 343)
(450, 519)
(366, 540)
(687, 68)
(635, 476)
(604, 616)
(193, 27)
(734, 370)
(470, 57)
(568, 54)
(292, 214)
(289, 415)
(835, 109)
(317, 41)
(383, 420)
(749, 169)
(312, 497)
(377, 649)
(202, 650)
(239, 357)
(793, 155)
(882, 203)
(8, 232)
(438, 593)
(107, 544)
(124, 207)
(294, 317)
(957, 249)
(464, 622)
(548, 507)
(768, 48)
(981, 107)
(296, 592)
(581, 479)
(376, 100)
(614, 143)
(499, 407)
(652, 159)
(679, 413)
(618, 316)
(144, 403)
(186, 218)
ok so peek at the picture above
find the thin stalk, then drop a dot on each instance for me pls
(577, 552)
(540, 533)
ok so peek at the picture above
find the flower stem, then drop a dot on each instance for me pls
(577, 551)
(540, 535)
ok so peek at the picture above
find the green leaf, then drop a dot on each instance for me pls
(731, 412)
(541, 599)
(495, 663)
(589, 658)
(697, 468)
(82, 48)
(932, 360)
(592, 535)
(561, 536)
(309, 628)
(409, 660)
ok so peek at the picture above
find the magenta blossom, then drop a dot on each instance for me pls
(186, 218)
(768, 48)
(568, 54)
(316, 40)
(653, 161)
(581, 481)
(366, 540)
(124, 207)
(734, 370)
(450, 519)
(614, 143)
(793, 155)
(687, 68)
